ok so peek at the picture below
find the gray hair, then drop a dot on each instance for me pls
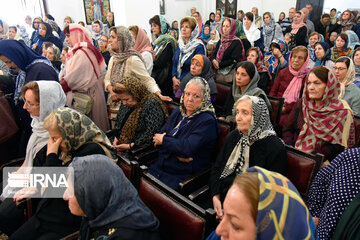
(201, 82)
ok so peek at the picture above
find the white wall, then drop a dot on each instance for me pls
(339, 5)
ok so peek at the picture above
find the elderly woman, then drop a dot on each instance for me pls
(76, 81)
(45, 35)
(341, 47)
(53, 54)
(187, 139)
(255, 56)
(290, 81)
(345, 72)
(252, 33)
(214, 37)
(164, 49)
(262, 213)
(114, 212)
(187, 48)
(229, 50)
(143, 46)
(41, 98)
(75, 135)
(246, 83)
(140, 115)
(356, 60)
(276, 58)
(332, 191)
(125, 61)
(322, 56)
(298, 31)
(270, 30)
(311, 123)
(253, 143)
(201, 66)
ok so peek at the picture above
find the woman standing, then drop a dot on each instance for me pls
(45, 35)
(270, 30)
(252, 33)
(83, 55)
(356, 60)
(298, 31)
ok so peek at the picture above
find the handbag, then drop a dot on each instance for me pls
(83, 103)
(8, 126)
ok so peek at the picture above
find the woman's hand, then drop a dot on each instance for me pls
(218, 207)
(53, 145)
(24, 193)
(121, 147)
(222, 118)
(34, 46)
(186, 160)
(316, 221)
(215, 64)
(112, 95)
(277, 53)
(158, 139)
(164, 98)
(176, 83)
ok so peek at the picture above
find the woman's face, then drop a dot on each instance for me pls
(282, 16)
(226, 27)
(297, 60)
(127, 99)
(155, 29)
(243, 116)
(192, 98)
(319, 52)
(340, 70)
(186, 30)
(357, 58)
(239, 15)
(42, 30)
(212, 16)
(50, 54)
(195, 68)
(196, 16)
(133, 34)
(313, 39)
(213, 34)
(113, 40)
(63, 56)
(267, 19)
(36, 22)
(345, 16)
(12, 33)
(247, 22)
(68, 40)
(176, 25)
(55, 135)
(297, 18)
(333, 36)
(252, 57)
(315, 87)
(9, 63)
(340, 43)
(242, 78)
(238, 222)
(217, 17)
(66, 22)
(73, 204)
(109, 17)
(97, 27)
(103, 42)
(206, 30)
(333, 13)
(31, 104)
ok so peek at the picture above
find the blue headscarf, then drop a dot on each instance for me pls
(327, 56)
(270, 61)
(205, 37)
(23, 57)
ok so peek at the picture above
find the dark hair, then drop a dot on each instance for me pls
(14, 27)
(249, 68)
(333, 9)
(343, 36)
(298, 12)
(66, 30)
(155, 19)
(97, 22)
(267, 13)
(320, 72)
(355, 51)
(250, 16)
(345, 60)
(325, 15)
(135, 29)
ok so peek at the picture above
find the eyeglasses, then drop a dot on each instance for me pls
(37, 22)
(339, 68)
(28, 105)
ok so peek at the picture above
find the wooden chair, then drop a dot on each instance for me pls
(171, 106)
(223, 91)
(179, 217)
(357, 131)
(302, 168)
(276, 105)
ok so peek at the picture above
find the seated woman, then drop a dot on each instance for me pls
(356, 60)
(290, 81)
(322, 56)
(298, 31)
(277, 57)
(143, 46)
(205, 34)
(345, 72)
(332, 39)
(332, 191)
(262, 213)
(187, 139)
(246, 83)
(41, 98)
(115, 212)
(201, 66)
(314, 37)
(188, 47)
(46, 35)
(140, 115)
(214, 37)
(103, 44)
(253, 143)
(229, 50)
(255, 56)
(311, 123)
(252, 33)
(53, 54)
(341, 47)
(164, 49)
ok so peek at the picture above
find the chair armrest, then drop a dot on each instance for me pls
(139, 150)
(192, 183)
(12, 163)
(110, 133)
(146, 158)
(200, 194)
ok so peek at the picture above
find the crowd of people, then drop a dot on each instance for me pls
(67, 87)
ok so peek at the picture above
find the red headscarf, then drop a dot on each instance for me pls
(142, 42)
(226, 40)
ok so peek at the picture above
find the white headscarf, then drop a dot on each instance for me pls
(51, 97)
(253, 33)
